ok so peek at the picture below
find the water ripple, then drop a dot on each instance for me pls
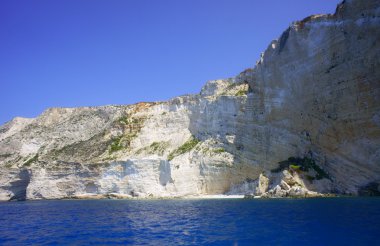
(338, 221)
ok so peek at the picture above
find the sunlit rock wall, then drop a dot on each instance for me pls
(313, 94)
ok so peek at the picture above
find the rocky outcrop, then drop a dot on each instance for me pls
(304, 121)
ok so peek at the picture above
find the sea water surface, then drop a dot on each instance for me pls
(327, 221)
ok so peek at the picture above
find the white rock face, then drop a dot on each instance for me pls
(263, 185)
(304, 121)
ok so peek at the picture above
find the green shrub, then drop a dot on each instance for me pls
(219, 150)
(123, 119)
(186, 147)
(31, 160)
(171, 156)
(295, 167)
(158, 147)
(116, 145)
(138, 121)
(155, 145)
(302, 164)
(241, 93)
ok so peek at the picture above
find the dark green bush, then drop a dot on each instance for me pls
(116, 144)
(219, 150)
(302, 164)
(186, 147)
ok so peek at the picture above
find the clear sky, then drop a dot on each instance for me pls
(70, 53)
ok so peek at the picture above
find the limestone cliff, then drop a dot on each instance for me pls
(304, 121)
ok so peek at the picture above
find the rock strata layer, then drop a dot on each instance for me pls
(304, 122)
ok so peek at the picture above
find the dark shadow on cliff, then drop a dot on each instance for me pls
(18, 187)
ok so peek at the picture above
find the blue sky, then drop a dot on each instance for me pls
(90, 52)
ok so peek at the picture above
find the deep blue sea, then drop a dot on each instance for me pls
(328, 221)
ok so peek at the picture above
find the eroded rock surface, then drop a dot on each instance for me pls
(313, 95)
